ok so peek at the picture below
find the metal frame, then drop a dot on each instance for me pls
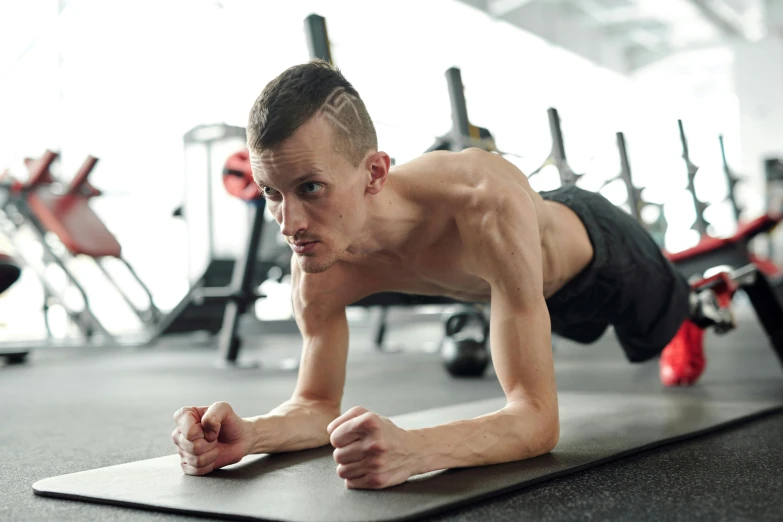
(701, 224)
(557, 156)
(731, 179)
(634, 194)
(152, 314)
(15, 207)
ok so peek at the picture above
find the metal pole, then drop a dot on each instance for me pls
(242, 291)
(317, 38)
(625, 175)
(459, 110)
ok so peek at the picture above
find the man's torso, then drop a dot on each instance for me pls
(436, 258)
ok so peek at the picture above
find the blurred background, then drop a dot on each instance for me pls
(126, 81)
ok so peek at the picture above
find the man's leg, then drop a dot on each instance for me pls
(682, 361)
(653, 304)
(584, 333)
(629, 283)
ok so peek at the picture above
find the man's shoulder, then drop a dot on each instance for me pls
(339, 286)
(438, 176)
(473, 183)
(448, 162)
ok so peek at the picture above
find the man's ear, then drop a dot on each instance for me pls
(377, 166)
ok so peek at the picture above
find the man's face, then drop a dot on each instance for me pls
(314, 194)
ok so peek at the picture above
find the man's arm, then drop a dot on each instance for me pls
(504, 237)
(300, 423)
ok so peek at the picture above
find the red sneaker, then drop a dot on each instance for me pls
(682, 361)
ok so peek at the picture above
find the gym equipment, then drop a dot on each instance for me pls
(238, 178)
(230, 251)
(595, 429)
(66, 213)
(317, 38)
(733, 250)
(9, 272)
(70, 217)
(242, 291)
(462, 134)
(465, 354)
(774, 210)
(19, 212)
(14, 355)
(773, 177)
(764, 297)
(657, 228)
(731, 180)
(216, 226)
(557, 156)
(701, 224)
(634, 194)
(761, 280)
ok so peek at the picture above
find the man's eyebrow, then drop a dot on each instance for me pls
(297, 180)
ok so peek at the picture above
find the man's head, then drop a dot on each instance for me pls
(314, 154)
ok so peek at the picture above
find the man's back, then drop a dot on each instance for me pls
(443, 199)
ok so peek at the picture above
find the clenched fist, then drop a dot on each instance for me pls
(371, 452)
(211, 437)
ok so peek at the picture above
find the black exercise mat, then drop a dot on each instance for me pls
(303, 486)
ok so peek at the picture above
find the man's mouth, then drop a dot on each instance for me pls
(303, 247)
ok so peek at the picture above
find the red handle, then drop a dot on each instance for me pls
(39, 169)
(80, 179)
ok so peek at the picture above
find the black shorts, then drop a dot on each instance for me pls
(628, 284)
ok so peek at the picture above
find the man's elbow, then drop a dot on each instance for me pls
(550, 436)
(539, 435)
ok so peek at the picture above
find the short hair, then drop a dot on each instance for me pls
(299, 93)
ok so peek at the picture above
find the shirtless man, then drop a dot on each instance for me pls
(465, 225)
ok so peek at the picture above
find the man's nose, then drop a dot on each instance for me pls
(291, 218)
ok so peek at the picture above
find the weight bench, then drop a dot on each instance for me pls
(68, 215)
(732, 250)
(18, 212)
(758, 277)
(79, 228)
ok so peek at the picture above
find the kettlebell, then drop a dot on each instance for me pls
(465, 355)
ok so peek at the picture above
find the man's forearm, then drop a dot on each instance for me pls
(518, 431)
(292, 426)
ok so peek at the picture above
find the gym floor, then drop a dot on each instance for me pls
(77, 409)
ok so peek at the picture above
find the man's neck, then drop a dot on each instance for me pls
(391, 220)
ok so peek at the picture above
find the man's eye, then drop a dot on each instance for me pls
(312, 188)
(268, 191)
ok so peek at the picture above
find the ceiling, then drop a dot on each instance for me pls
(690, 39)
(629, 35)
